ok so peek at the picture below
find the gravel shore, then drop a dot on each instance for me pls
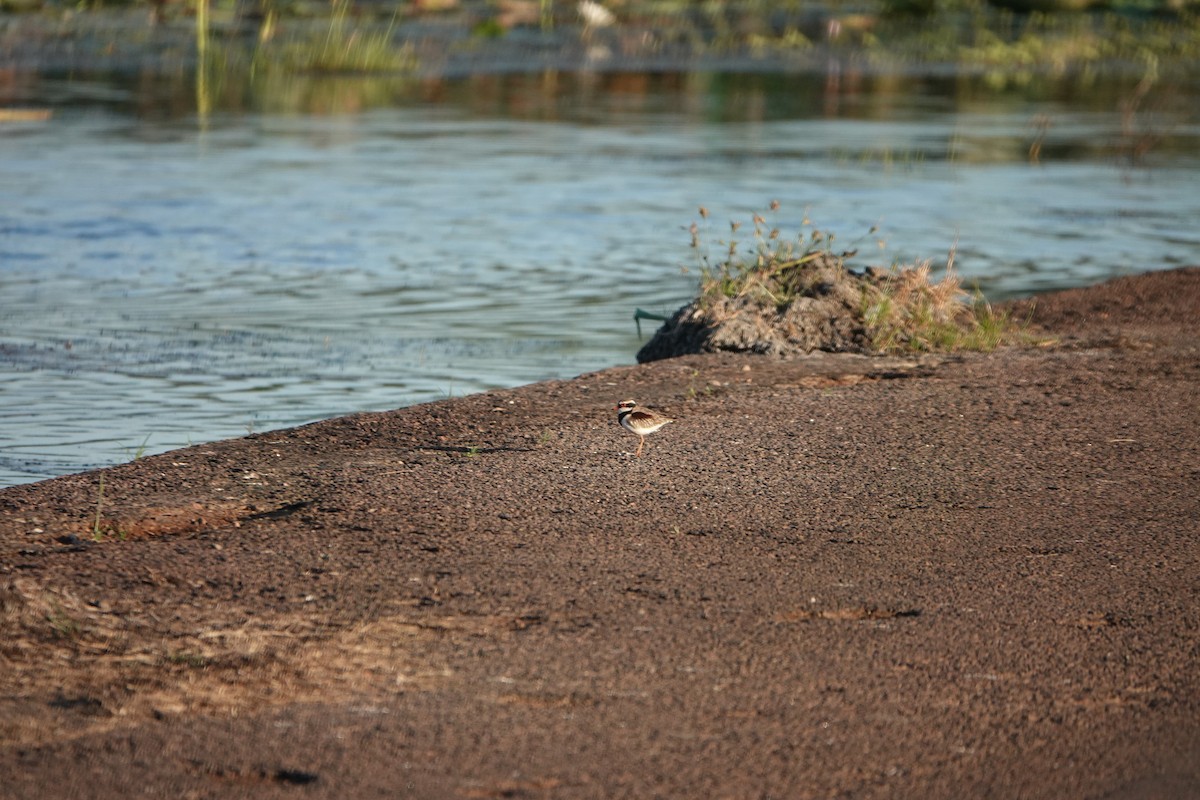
(968, 575)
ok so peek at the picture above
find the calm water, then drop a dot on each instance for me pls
(166, 280)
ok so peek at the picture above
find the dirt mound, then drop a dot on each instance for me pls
(785, 306)
(827, 314)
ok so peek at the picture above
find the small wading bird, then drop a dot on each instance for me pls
(641, 421)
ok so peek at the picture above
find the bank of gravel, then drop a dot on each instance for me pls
(953, 576)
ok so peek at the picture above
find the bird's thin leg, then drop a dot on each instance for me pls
(641, 441)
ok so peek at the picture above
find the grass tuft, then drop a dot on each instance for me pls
(100, 530)
(187, 658)
(62, 624)
(97, 529)
(341, 48)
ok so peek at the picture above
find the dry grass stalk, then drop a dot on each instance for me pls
(799, 294)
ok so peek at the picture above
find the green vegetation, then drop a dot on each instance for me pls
(1008, 47)
(1048, 35)
(345, 46)
(774, 272)
(186, 658)
(345, 55)
(231, 65)
(62, 624)
(692, 391)
(911, 312)
(101, 531)
(97, 530)
(360, 37)
(140, 450)
(901, 309)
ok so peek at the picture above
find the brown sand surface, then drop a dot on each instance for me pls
(964, 576)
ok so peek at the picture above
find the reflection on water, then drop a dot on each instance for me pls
(330, 246)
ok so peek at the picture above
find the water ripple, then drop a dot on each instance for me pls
(162, 285)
